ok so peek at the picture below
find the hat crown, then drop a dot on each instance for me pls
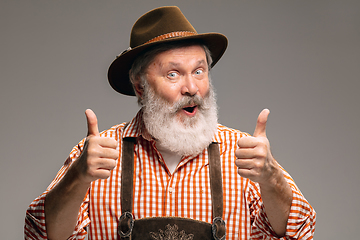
(158, 22)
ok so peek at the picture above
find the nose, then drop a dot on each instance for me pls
(189, 88)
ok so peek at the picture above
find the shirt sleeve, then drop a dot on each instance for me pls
(35, 227)
(301, 221)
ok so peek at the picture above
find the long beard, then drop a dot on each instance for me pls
(182, 135)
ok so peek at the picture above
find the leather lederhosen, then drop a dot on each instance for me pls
(169, 228)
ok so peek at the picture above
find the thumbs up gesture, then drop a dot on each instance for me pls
(99, 155)
(254, 159)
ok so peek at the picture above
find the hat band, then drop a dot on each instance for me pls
(171, 35)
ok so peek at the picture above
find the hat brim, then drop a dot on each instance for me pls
(118, 73)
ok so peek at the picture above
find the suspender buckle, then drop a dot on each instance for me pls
(125, 225)
(218, 228)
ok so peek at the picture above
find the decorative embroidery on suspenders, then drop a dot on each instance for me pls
(171, 233)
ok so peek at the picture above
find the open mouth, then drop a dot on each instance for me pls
(190, 109)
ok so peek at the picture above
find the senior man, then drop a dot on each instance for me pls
(172, 172)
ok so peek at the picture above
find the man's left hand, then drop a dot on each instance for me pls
(254, 158)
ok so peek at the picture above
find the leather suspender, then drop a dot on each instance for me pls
(127, 172)
(215, 180)
(126, 221)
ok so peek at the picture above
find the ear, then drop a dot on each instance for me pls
(138, 87)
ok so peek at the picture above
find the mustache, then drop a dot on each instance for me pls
(152, 101)
(186, 101)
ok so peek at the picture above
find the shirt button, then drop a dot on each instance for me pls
(171, 190)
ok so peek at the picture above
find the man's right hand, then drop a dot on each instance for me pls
(96, 161)
(99, 155)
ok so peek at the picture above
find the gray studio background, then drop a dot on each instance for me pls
(300, 59)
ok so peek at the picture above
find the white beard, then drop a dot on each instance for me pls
(182, 135)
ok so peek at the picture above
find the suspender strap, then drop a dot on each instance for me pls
(126, 222)
(127, 172)
(215, 180)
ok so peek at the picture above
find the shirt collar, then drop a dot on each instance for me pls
(216, 138)
(136, 127)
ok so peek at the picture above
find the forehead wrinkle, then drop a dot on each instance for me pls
(163, 65)
(176, 64)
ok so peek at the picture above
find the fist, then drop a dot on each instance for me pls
(99, 155)
(254, 159)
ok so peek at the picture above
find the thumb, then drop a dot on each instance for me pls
(260, 129)
(92, 123)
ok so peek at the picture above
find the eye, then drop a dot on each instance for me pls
(172, 75)
(199, 72)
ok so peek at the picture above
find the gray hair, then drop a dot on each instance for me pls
(139, 66)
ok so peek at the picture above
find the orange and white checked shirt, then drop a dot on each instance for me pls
(185, 193)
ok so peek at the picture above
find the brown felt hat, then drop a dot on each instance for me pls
(158, 26)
